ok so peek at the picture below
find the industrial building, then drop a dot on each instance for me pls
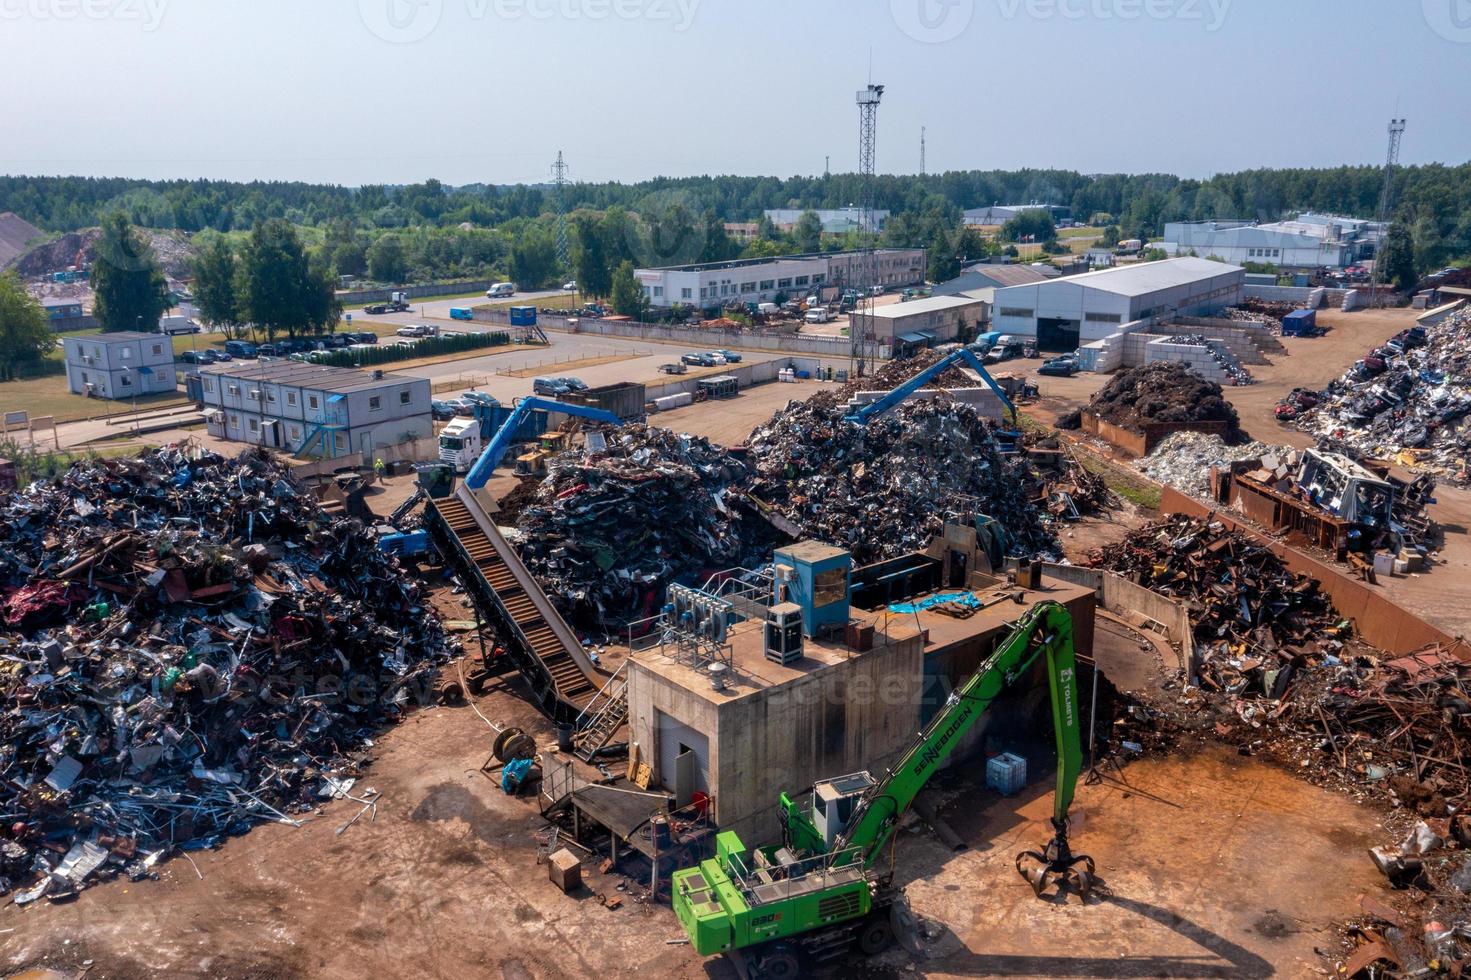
(988, 275)
(845, 691)
(1064, 313)
(1000, 214)
(1266, 245)
(919, 322)
(714, 284)
(314, 410)
(835, 221)
(119, 365)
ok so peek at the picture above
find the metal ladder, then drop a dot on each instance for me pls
(607, 711)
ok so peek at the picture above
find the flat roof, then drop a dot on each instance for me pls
(1145, 277)
(747, 263)
(321, 377)
(915, 307)
(114, 336)
(752, 673)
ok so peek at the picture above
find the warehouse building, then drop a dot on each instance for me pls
(919, 322)
(312, 409)
(988, 275)
(714, 284)
(1274, 245)
(835, 221)
(119, 365)
(1064, 313)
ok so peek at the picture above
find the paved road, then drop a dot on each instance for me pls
(438, 309)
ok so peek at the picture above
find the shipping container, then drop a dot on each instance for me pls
(523, 316)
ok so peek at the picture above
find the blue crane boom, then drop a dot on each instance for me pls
(953, 359)
(506, 434)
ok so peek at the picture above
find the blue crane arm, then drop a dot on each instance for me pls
(506, 434)
(953, 359)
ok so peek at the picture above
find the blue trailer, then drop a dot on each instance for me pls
(1300, 323)
(523, 316)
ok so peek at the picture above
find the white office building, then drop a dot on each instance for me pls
(714, 284)
(1063, 314)
(1276, 245)
(312, 409)
(119, 365)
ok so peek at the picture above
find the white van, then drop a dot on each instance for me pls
(501, 290)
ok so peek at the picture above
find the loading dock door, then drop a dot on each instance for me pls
(1057, 335)
(675, 740)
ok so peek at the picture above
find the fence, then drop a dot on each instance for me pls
(611, 354)
(834, 347)
(416, 292)
(450, 343)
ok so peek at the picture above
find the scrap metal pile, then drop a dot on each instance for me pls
(889, 486)
(190, 645)
(1154, 393)
(608, 529)
(1184, 460)
(1410, 398)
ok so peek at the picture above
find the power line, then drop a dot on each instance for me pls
(921, 151)
(868, 108)
(1386, 197)
(559, 181)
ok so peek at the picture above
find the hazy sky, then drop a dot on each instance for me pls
(359, 91)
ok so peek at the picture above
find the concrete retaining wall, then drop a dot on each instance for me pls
(1291, 294)
(832, 347)
(1121, 597)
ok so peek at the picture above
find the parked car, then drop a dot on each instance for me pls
(192, 357)
(479, 398)
(570, 286)
(240, 348)
(442, 411)
(549, 386)
(574, 384)
(817, 315)
(717, 357)
(731, 357)
(1004, 352)
(698, 360)
(462, 407)
(1061, 367)
(222, 355)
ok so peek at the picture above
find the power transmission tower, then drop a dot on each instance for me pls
(868, 111)
(559, 181)
(921, 151)
(1386, 196)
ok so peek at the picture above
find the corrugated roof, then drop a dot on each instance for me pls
(115, 337)
(319, 377)
(1148, 277)
(916, 307)
(1007, 275)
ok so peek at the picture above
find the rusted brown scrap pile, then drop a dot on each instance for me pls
(1273, 653)
(1157, 393)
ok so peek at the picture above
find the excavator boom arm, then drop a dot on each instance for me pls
(506, 434)
(1045, 631)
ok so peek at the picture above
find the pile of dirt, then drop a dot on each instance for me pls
(15, 232)
(78, 248)
(1156, 393)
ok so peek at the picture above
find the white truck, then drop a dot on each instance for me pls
(459, 444)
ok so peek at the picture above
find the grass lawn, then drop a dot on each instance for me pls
(50, 396)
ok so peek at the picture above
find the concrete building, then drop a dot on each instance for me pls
(313, 409)
(838, 709)
(119, 365)
(835, 221)
(919, 322)
(714, 284)
(742, 231)
(1264, 244)
(986, 275)
(1064, 313)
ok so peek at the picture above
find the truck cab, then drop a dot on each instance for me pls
(460, 444)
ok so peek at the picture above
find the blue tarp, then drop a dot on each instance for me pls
(959, 598)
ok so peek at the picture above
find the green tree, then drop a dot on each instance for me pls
(1397, 257)
(594, 275)
(627, 294)
(807, 233)
(350, 258)
(216, 278)
(1031, 224)
(534, 259)
(387, 261)
(279, 288)
(944, 265)
(25, 331)
(130, 289)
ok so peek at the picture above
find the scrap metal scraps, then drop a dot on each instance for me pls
(199, 647)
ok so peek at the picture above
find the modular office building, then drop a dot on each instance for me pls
(714, 284)
(119, 365)
(1062, 314)
(314, 410)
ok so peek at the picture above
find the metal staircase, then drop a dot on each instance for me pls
(603, 716)
(545, 649)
